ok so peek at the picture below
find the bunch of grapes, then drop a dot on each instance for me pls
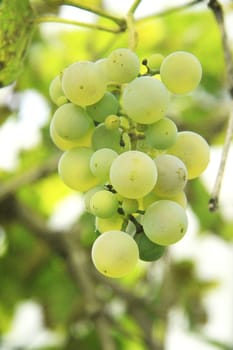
(125, 154)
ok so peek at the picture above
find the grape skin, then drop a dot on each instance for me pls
(122, 65)
(115, 254)
(181, 72)
(145, 100)
(133, 174)
(193, 150)
(74, 169)
(103, 204)
(165, 222)
(83, 84)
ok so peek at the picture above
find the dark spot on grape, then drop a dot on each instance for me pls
(81, 87)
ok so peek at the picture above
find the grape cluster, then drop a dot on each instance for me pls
(125, 154)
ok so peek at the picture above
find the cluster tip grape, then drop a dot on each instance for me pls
(124, 153)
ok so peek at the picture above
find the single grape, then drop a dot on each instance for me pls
(71, 122)
(165, 222)
(55, 91)
(148, 251)
(107, 105)
(154, 61)
(162, 134)
(74, 169)
(65, 144)
(181, 72)
(83, 84)
(103, 204)
(123, 65)
(172, 175)
(193, 150)
(101, 161)
(133, 174)
(115, 254)
(87, 196)
(129, 205)
(114, 222)
(105, 138)
(145, 100)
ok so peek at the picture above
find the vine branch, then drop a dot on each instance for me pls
(217, 10)
(54, 19)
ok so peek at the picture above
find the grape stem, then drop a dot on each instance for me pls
(217, 10)
(98, 11)
(55, 19)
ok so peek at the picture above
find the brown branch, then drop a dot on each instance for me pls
(217, 10)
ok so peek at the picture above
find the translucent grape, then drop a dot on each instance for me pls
(55, 91)
(172, 175)
(129, 205)
(165, 222)
(71, 122)
(154, 61)
(105, 138)
(103, 204)
(101, 161)
(133, 174)
(162, 134)
(114, 222)
(145, 100)
(64, 144)
(181, 72)
(193, 150)
(89, 194)
(107, 105)
(101, 65)
(123, 65)
(74, 169)
(83, 84)
(115, 254)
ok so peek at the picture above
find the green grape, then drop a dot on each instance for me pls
(148, 251)
(123, 65)
(74, 169)
(55, 91)
(83, 84)
(154, 61)
(165, 222)
(103, 204)
(114, 222)
(180, 198)
(101, 65)
(181, 72)
(115, 254)
(101, 161)
(193, 150)
(105, 138)
(145, 100)
(104, 107)
(112, 122)
(162, 134)
(172, 175)
(89, 194)
(64, 144)
(129, 205)
(71, 122)
(133, 174)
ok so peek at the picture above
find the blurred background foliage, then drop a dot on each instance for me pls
(37, 263)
